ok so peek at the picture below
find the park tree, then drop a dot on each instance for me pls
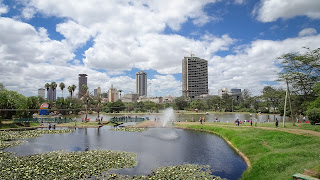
(213, 102)
(14, 103)
(129, 106)
(53, 86)
(272, 97)
(2, 87)
(226, 103)
(149, 105)
(86, 97)
(139, 107)
(302, 72)
(62, 86)
(98, 103)
(245, 99)
(316, 102)
(181, 103)
(198, 104)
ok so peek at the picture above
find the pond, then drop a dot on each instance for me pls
(211, 117)
(155, 147)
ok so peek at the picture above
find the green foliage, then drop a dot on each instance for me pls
(181, 103)
(64, 165)
(12, 100)
(316, 102)
(114, 107)
(302, 71)
(273, 97)
(198, 104)
(2, 87)
(213, 102)
(314, 115)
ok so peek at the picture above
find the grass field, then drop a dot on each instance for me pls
(273, 154)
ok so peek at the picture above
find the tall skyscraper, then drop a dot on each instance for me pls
(141, 83)
(42, 92)
(194, 77)
(82, 80)
(52, 95)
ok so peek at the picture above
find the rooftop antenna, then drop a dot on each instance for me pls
(191, 54)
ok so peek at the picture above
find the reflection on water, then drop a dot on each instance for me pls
(222, 117)
(155, 147)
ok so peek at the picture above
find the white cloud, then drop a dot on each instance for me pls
(21, 42)
(162, 53)
(28, 13)
(76, 35)
(307, 32)
(257, 63)
(3, 8)
(271, 10)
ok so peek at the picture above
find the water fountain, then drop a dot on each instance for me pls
(168, 116)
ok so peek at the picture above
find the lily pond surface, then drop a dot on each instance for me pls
(155, 147)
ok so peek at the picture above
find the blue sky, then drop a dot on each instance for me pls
(55, 40)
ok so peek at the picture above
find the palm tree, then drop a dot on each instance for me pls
(99, 100)
(47, 86)
(73, 87)
(62, 86)
(70, 91)
(86, 97)
(53, 87)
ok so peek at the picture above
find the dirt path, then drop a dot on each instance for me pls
(293, 131)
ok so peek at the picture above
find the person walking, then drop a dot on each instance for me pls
(251, 122)
(238, 121)
(277, 122)
(200, 120)
(255, 122)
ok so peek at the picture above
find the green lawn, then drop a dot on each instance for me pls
(288, 125)
(273, 154)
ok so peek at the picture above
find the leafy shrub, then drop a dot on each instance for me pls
(314, 115)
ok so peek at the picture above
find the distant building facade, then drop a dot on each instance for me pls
(82, 80)
(52, 95)
(113, 94)
(194, 77)
(157, 100)
(141, 83)
(97, 91)
(235, 93)
(130, 97)
(42, 93)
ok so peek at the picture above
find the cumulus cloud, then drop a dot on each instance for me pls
(307, 32)
(254, 64)
(151, 51)
(76, 35)
(271, 10)
(3, 8)
(22, 42)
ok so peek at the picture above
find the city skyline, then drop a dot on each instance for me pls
(241, 40)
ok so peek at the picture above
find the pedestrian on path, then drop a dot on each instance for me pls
(251, 122)
(277, 122)
(255, 122)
